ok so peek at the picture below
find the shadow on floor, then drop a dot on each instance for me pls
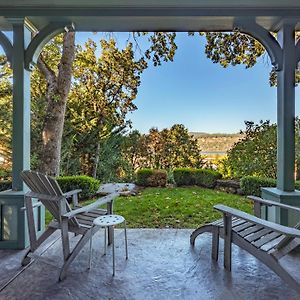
(161, 265)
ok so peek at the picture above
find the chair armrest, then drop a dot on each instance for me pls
(100, 201)
(37, 204)
(273, 203)
(71, 193)
(74, 195)
(228, 211)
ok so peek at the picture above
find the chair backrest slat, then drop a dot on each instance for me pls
(43, 184)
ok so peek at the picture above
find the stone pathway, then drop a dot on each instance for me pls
(125, 189)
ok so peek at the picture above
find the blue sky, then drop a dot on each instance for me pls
(199, 94)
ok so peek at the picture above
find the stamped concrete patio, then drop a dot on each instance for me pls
(161, 265)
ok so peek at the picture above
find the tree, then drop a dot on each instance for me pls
(166, 149)
(101, 96)
(255, 153)
(58, 78)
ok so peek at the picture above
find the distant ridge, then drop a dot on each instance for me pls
(201, 134)
(216, 143)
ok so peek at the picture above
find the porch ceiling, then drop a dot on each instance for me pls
(155, 15)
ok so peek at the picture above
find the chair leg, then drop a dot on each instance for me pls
(198, 231)
(85, 238)
(65, 238)
(215, 243)
(227, 242)
(26, 259)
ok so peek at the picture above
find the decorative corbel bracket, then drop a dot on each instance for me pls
(7, 46)
(41, 39)
(272, 46)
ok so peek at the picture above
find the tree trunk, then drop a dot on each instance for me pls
(96, 162)
(57, 94)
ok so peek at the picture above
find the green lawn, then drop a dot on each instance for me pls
(183, 207)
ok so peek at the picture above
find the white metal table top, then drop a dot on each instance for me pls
(108, 220)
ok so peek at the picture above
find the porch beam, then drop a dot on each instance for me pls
(7, 46)
(41, 39)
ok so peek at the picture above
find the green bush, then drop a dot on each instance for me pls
(251, 185)
(5, 185)
(206, 178)
(88, 185)
(201, 177)
(5, 174)
(149, 177)
(184, 176)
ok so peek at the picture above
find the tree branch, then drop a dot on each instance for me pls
(45, 69)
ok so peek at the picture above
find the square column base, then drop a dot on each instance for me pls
(13, 221)
(277, 215)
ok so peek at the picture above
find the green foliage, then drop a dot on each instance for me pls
(5, 174)
(5, 113)
(101, 96)
(162, 46)
(166, 149)
(5, 185)
(184, 176)
(206, 178)
(232, 48)
(112, 166)
(88, 185)
(251, 185)
(255, 153)
(150, 177)
(200, 177)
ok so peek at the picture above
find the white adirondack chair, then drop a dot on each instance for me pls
(78, 220)
(267, 241)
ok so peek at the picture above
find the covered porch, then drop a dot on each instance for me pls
(161, 265)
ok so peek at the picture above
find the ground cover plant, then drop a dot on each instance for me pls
(181, 207)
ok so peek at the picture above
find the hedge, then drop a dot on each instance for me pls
(88, 185)
(202, 177)
(184, 176)
(5, 185)
(251, 185)
(150, 177)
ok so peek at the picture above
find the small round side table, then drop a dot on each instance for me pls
(106, 221)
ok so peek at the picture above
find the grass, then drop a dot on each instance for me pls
(183, 207)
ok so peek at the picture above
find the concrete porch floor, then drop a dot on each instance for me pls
(161, 265)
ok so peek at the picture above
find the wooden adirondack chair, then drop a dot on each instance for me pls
(78, 220)
(267, 241)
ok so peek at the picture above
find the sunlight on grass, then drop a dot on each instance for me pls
(181, 207)
(175, 207)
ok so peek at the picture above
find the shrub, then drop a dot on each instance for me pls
(184, 176)
(206, 178)
(88, 185)
(201, 177)
(5, 185)
(149, 177)
(251, 185)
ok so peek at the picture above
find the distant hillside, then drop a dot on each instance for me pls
(216, 143)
